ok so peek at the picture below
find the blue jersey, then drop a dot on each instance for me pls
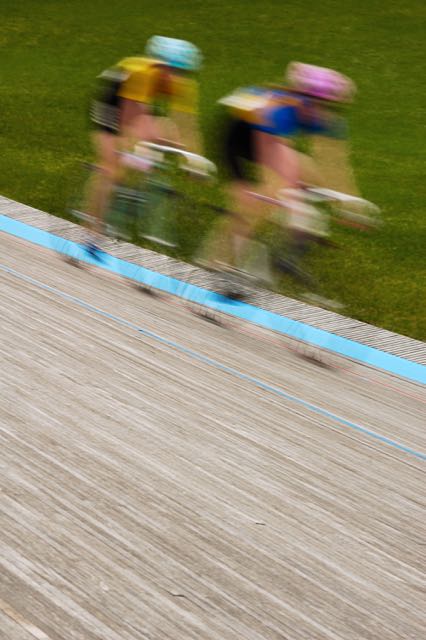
(278, 112)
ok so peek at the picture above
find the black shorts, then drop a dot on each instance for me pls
(105, 117)
(105, 109)
(238, 150)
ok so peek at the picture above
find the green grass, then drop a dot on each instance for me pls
(51, 52)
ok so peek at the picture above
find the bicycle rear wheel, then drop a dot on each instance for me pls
(158, 218)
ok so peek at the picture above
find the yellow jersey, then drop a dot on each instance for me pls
(141, 82)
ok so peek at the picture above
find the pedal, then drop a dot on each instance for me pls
(321, 301)
(74, 262)
(207, 315)
(290, 268)
(160, 241)
(146, 290)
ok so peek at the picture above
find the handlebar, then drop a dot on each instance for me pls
(164, 148)
(369, 217)
(195, 163)
(319, 194)
(301, 201)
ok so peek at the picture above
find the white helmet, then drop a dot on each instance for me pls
(176, 53)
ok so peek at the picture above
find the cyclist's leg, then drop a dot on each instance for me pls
(104, 178)
(218, 248)
(276, 165)
(132, 123)
(105, 116)
(275, 154)
(241, 158)
(227, 243)
(305, 224)
(138, 124)
(247, 213)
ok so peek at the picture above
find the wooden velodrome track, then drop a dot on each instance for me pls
(163, 478)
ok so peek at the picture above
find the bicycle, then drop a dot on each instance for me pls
(142, 207)
(143, 210)
(305, 224)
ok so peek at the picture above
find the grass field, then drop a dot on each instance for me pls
(51, 52)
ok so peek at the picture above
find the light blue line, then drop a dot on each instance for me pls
(218, 365)
(294, 328)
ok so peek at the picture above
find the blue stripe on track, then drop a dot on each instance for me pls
(219, 365)
(293, 328)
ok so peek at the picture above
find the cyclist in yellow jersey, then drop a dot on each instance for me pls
(126, 109)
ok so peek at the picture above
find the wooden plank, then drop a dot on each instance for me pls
(396, 344)
(146, 494)
(15, 626)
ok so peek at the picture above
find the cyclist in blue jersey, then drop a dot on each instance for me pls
(262, 128)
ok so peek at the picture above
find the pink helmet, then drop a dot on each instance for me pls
(320, 82)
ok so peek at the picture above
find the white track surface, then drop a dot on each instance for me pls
(148, 493)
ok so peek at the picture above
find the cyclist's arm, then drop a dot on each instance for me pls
(329, 149)
(332, 157)
(136, 94)
(137, 124)
(187, 131)
(184, 114)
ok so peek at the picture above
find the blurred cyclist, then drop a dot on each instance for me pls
(264, 122)
(149, 98)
